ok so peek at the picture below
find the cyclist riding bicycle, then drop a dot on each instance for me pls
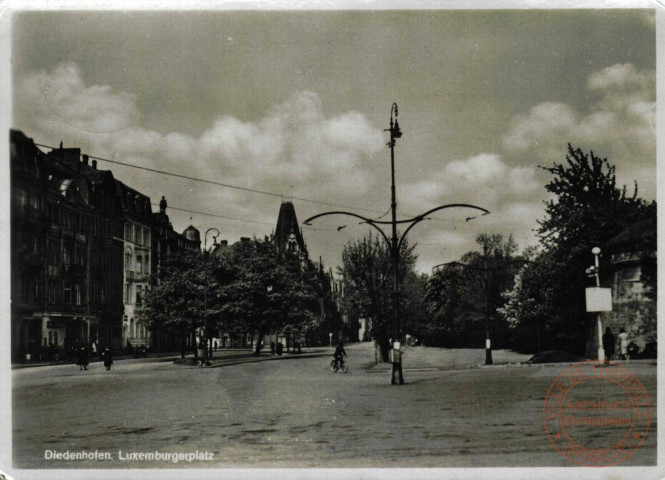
(339, 354)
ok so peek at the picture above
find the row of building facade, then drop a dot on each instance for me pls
(84, 247)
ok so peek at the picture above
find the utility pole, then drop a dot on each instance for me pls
(488, 342)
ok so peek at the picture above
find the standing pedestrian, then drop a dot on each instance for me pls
(108, 358)
(203, 352)
(280, 348)
(623, 344)
(608, 344)
(82, 360)
(272, 348)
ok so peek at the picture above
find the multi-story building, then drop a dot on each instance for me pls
(165, 243)
(64, 218)
(137, 252)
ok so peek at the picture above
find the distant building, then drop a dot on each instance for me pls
(166, 242)
(632, 257)
(288, 235)
(137, 251)
(630, 271)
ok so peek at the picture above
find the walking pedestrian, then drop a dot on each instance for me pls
(608, 344)
(272, 349)
(108, 358)
(280, 348)
(623, 344)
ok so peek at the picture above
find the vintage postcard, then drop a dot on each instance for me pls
(292, 241)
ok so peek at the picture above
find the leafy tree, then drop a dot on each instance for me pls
(588, 210)
(462, 294)
(272, 291)
(176, 303)
(367, 273)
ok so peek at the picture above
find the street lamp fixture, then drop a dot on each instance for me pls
(394, 242)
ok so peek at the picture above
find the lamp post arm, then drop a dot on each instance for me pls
(368, 221)
(423, 216)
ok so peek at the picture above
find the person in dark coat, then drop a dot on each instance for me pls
(83, 359)
(608, 344)
(280, 348)
(272, 349)
(108, 358)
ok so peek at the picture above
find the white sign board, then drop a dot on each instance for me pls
(598, 299)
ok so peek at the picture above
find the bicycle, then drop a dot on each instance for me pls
(341, 365)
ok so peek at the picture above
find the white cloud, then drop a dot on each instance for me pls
(620, 126)
(295, 149)
(484, 180)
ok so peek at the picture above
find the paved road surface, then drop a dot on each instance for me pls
(293, 413)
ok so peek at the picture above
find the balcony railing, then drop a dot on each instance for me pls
(136, 276)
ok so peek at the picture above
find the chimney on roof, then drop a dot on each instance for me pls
(94, 164)
(244, 239)
(224, 243)
(85, 159)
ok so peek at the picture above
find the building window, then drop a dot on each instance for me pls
(51, 291)
(35, 202)
(22, 199)
(53, 211)
(102, 293)
(79, 253)
(139, 295)
(67, 293)
(146, 236)
(139, 235)
(67, 253)
(139, 264)
(128, 293)
(128, 261)
(129, 232)
(77, 293)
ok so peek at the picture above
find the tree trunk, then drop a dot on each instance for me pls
(183, 341)
(194, 346)
(259, 339)
(383, 346)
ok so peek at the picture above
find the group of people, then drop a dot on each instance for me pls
(276, 348)
(83, 357)
(609, 344)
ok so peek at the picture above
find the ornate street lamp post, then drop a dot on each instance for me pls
(205, 292)
(395, 243)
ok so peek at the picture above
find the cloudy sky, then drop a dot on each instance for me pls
(295, 103)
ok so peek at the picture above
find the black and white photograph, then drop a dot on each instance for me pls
(313, 242)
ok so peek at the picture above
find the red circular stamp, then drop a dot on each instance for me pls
(597, 414)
